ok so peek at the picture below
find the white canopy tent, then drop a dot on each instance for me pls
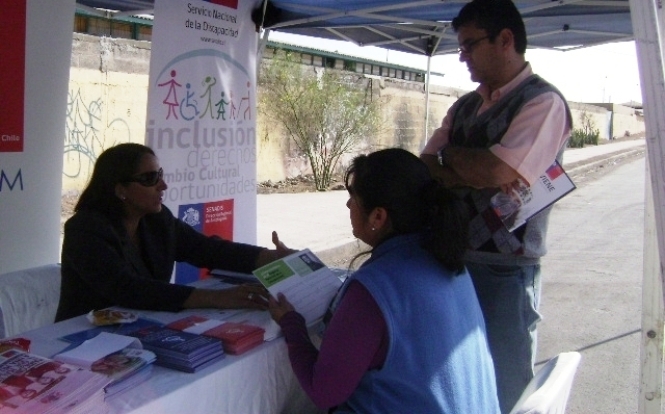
(423, 27)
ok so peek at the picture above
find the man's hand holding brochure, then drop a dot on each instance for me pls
(522, 202)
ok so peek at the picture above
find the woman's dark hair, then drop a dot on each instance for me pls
(400, 182)
(114, 166)
(493, 16)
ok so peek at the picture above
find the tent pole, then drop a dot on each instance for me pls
(647, 20)
(263, 41)
(652, 311)
(427, 78)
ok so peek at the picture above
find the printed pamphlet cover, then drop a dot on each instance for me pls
(118, 357)
(523, 202)
(308, 284)
(33, 384)
(93, 350)
(121, 364)
(15, 343)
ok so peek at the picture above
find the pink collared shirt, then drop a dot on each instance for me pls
(534, 136)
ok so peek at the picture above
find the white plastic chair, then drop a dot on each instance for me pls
(548, 391)
(28, 299)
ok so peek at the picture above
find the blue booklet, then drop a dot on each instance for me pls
(200, 363)
(78, 338)
(177, 349)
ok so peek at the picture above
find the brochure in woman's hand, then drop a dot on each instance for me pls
(308, 284)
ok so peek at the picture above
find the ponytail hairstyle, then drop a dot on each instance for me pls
(400, 182)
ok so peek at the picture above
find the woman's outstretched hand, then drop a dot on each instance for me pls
(281, 248)
(268, 256)
(246, 296)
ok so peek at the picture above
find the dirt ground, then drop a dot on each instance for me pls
(299, 184)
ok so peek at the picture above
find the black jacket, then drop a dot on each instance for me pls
(102, 268)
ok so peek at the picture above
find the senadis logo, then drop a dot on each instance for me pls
(228, 3)
(10, 181)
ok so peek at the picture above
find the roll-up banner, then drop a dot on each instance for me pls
(202, 116)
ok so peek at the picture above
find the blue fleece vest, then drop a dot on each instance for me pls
(438, 360)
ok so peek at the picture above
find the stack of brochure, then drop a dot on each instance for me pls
(121, 358)
(236, 337)
(38, 385)
(179, 350)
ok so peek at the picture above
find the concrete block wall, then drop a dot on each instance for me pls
(600, 117)
(108, 99)
(625, 120)
(106, 102)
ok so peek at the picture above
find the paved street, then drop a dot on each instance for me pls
(592, 275)
(591, 298)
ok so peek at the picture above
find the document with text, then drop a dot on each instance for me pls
(523, 202)
(308, 284)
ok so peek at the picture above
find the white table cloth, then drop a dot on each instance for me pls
(260, 381)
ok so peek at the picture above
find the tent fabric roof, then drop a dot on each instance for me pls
(423, 26)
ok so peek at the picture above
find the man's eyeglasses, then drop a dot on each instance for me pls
(467, 47)
(147, 179)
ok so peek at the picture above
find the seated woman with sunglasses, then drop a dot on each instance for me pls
(121, 244)
(407, 334)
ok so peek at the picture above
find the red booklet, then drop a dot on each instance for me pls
(236, 337)
(16, 343)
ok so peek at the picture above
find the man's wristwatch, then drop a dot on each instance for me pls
(443, 157)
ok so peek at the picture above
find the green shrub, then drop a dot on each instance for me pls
(587, 135)
(579, 138)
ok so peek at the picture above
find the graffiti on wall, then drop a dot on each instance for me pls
(87, 132)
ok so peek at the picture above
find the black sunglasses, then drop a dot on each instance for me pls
(147, 179)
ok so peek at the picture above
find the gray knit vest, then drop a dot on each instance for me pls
(489, 241)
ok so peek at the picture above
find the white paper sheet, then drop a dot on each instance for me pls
(97, 348)
(308, 284)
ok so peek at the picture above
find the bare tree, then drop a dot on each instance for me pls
(326, 113)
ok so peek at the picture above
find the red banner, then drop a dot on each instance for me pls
(228, 3)
(212, 219)
(12, 73)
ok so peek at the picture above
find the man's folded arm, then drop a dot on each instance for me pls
(470, 167)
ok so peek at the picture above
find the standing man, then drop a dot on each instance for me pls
(513, 126)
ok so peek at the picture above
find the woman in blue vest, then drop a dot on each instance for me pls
(407, 334)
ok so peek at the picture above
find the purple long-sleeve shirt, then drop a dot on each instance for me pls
(355, 341)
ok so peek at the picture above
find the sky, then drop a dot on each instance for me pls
(606, 73)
